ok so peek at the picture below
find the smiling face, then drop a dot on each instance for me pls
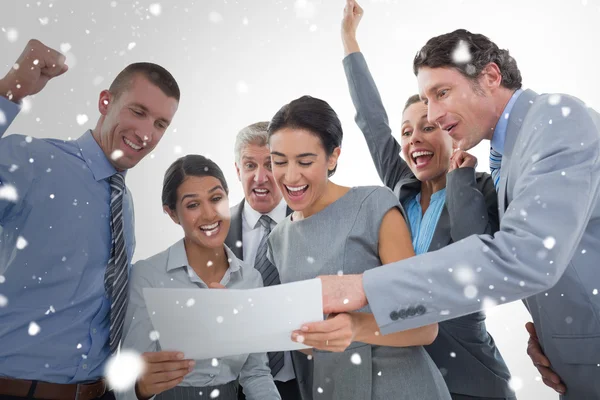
(255, 173)
(300, 166)
(133, 123)
(467, 111)
(202, 210)
(426, 148)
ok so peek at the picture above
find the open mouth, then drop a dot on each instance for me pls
(296, 191)
(449, 128)
(212, 229)
(421, 158)
(261, 192)
(131, 144)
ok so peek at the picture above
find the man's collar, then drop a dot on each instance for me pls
(95, 158)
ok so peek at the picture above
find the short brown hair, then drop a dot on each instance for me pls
(156, 74)
(415, 98)
(438, 53)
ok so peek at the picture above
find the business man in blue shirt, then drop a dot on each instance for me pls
(67, 234)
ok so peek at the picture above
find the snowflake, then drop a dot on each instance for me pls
(82, 119)
(461, 54)
(155, 9)
(549, 242)
(12, 35)
(34, 329)
(123, 370)
(9, 193)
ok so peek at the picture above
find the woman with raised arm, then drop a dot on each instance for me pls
(445, 201)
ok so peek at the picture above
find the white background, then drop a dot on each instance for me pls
(238, 62)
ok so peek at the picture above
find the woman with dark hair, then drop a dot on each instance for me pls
(338, 229)
(445, 201)
(195, 197)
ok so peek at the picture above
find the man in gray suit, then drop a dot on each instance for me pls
(262, 202)
(548, 183)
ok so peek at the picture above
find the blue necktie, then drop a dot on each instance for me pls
(116, 276)
(495, 163)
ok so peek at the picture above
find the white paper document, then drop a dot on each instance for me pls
(213, 323)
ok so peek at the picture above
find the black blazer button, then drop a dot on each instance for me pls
(394, 315)
(421, 310)
(402, 314)
(411, 311)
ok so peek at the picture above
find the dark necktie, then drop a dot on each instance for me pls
(270, 277)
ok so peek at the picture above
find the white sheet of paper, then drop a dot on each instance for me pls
(213, 323)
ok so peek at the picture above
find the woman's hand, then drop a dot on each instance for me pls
(334, 334)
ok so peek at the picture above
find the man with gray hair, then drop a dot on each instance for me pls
(251, 223)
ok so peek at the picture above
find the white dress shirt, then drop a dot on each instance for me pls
(252, 232)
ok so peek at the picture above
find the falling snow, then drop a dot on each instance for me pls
(82, 119)
(3, 301)
(214, 394)
(356, 359)
(219, 319)
(242, 87)
(554, 99)
(549, 242)
(34, 329)
(461, 53)
(12, 35)
(155, 9)
(515, 383)
(123, 369)
(154, 336)
(2, 118)
(464, 275)
(215, 17)
(470, 291)
(304, 9)
(115, 155)
(8, 193)
(21, 243)
(65, 47)
(190, 302)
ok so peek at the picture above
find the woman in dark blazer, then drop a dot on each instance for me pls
(445, 201)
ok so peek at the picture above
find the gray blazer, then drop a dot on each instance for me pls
(546, 251)
(477, 369)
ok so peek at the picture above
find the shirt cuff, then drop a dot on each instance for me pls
(8, 112)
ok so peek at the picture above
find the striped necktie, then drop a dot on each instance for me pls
(495, 163)
(115, 279)
(270, 277)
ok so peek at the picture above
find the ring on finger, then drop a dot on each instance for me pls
(327, 343)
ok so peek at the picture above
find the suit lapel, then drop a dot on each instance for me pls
(235, 231)
(515, 121)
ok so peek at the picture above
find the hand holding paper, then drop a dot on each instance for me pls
(217, 323)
